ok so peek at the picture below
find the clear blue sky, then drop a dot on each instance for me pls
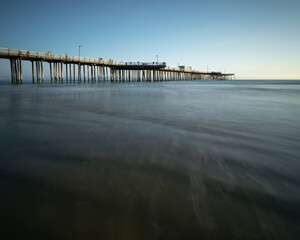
(254, 39)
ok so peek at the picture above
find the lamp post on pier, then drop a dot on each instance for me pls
(156, 58)
(79, 51)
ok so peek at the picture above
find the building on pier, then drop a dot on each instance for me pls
(185, 68)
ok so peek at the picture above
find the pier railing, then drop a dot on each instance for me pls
(49, 55)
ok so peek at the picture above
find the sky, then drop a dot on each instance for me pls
(258, 39)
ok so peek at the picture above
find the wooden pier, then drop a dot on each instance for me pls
(69, 69)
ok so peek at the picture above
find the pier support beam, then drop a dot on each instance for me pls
(73, 72)
(16, 70)
(59, 72)
(12, 70)
(79, 73)
(21, 72)
(42, 71)
(83, 73)
(37, 71)
(62, 72)
(70, 69)
(66, 72)
(32, 63)
(50, 64)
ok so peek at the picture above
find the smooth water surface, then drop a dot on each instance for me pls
(175, 160)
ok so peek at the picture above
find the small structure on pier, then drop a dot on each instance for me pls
(142, 65)
(185, 68)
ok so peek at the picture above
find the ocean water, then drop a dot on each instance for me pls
(166, 160)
